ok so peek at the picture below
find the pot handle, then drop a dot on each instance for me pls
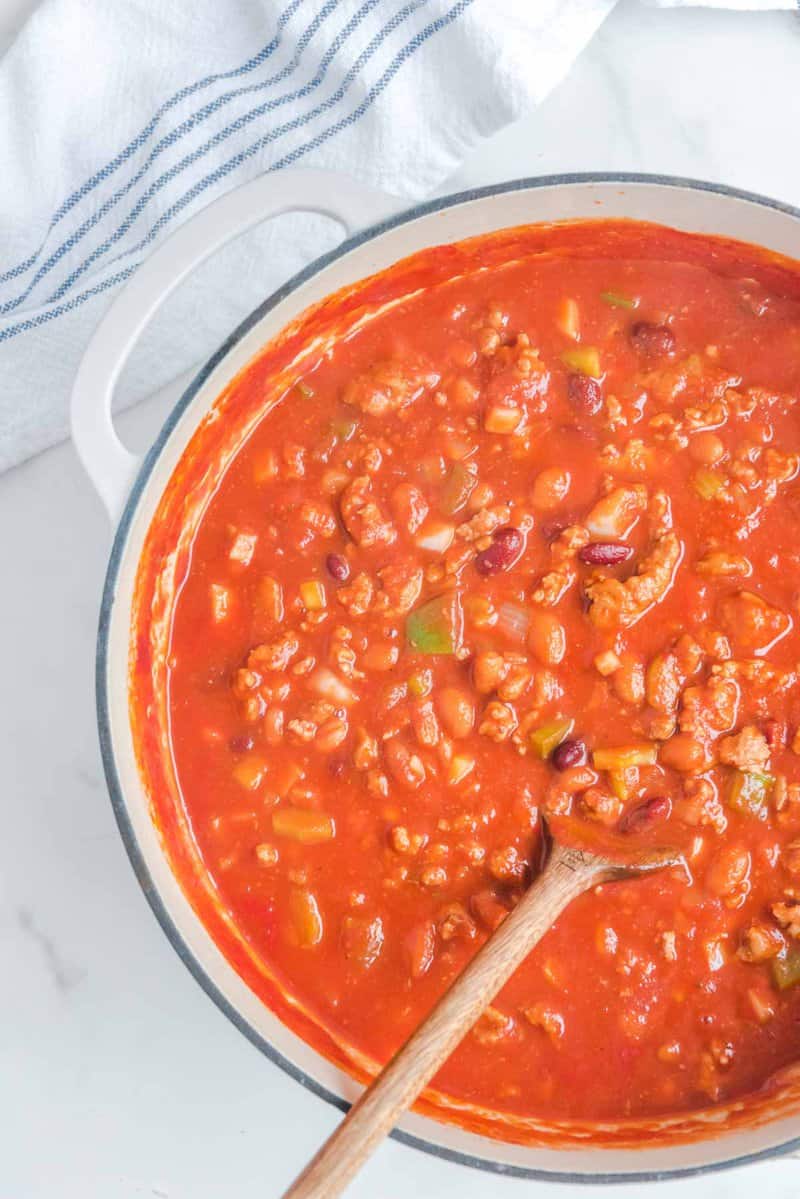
(110, 465)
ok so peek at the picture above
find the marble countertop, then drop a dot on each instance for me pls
(119, 1077)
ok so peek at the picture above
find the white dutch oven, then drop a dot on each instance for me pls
(131, 488)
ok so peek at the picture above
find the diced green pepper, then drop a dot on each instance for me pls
(621, 757)
(708, 483)
(786, 968)
(420, 683)
(585, 359)
(547, 737)
(437, 626)
(344, 427)
(433, 468)
(750, 791)
(458, 487)
(615, 300)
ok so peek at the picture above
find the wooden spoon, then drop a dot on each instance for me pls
(568, 873)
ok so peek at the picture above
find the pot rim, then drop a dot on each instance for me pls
(113, 782)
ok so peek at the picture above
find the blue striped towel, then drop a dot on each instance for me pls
(118, 121)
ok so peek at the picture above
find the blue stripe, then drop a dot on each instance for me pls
(194, 120)
(408, 50)
(42, 318)
(372, 95)
(183, 94)
(240, 123)
(178, 133)
(221, 172)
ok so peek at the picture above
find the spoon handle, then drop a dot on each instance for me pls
(567, 874)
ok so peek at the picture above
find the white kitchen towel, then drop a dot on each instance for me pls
(739, 5)
(118, 121)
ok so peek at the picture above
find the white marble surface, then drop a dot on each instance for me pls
(118, 1078)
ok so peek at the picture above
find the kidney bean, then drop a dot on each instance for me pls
(647, 813)
(584, 394)
(337, 766)
(605, 553)
(502, 553)
(554, 528)
(652, 339)
(569, 753)
(241, 744)
(775, 733)
(338, 567)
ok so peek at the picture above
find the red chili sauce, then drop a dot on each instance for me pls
(526, 542)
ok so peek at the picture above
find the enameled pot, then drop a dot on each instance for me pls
(132, 488)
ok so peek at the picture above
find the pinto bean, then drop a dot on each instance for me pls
(628, 679)
(456, 711)
(550, 488)
(684, 753)
(729, 871)
(404, 766)
(547, 639)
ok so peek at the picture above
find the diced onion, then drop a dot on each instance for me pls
(513, 621)
(220, 602)
(331, 687)
(607, 662)
(460, 767)
(436, 536)
(243, 548)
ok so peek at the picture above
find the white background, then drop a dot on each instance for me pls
(118, 1078)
